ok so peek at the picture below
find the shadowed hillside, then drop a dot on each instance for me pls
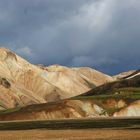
(109, 87)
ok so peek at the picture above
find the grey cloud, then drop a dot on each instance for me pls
(98, 33)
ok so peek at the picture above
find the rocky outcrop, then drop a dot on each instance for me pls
(131, 110)
(4, 82)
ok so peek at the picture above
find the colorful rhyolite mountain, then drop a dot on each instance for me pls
(30, 91)
(22, 83)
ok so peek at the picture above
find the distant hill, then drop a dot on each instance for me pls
(125, 75)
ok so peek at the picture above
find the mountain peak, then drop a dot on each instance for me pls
(7, 54)
(30, 84)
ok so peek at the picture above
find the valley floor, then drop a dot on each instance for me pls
(88, 134)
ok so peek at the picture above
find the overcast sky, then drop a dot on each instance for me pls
(102, 34)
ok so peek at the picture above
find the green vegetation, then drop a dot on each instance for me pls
(121, 89)
(9, 110)
(110, 123)
(122, 93)
(109, 111)
(108, 88)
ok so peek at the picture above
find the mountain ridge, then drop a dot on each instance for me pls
(30, 84)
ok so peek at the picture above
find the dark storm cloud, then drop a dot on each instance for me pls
(103, 34)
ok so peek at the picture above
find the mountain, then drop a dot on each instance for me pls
(22, 83)
(75, 80)
(122, 96)
(133, 82)
(125, 75)
(119, 98)
(30, 91)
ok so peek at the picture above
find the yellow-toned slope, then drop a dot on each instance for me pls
(132, 110)
(73, 109)
(59, 110)
(124, 74)
(94, 76)
(75, 80)
(27, 83)
(22, 83)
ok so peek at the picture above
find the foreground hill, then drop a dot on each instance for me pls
(123, 96)
(120, 98)
(22, 83)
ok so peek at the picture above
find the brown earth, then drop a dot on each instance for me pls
(84, 134)
(132, 110)
(74, 109)
(58, 110)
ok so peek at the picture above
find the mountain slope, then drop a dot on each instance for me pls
(128, 74)
(28, 91)
(122, 98)
(27, 86)
(22, 83)
(75, 80)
